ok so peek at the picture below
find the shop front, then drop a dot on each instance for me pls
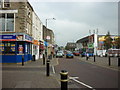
(41, 49)
(15, 46)
(36, 49)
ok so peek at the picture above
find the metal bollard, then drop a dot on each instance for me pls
(94, 58)
(87, 57)
(22, 60)
(118, 61)
(48, 68)
(43, 59)
(34, 58)
(64, 79)
(109, 63)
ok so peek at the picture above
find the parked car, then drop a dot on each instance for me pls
(59, 54)
(69, 54)
(76, 53)
(113, 52)
(83, 54)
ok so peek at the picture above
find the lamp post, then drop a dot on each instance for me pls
(48, 59)
(47, 34)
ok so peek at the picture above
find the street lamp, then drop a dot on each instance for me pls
(49, 19)
(47, 34)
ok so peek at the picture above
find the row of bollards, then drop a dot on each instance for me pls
(22, 60)
(48, 68)
(109, 60)
(64, 79)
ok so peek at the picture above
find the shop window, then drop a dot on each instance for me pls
(1, 48)
(29, 48)
(7, 22)
(9, 48)
(20, 48)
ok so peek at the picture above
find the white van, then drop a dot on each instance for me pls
(101, 53)
(113, 52)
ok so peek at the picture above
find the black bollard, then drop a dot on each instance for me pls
(87, 57)
(94, 58)
(22, 60)
(43, 59)
(64, 79)
(48, 68)
(33, 57)
(109, 63)
(118, 61)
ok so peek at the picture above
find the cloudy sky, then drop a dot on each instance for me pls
(75, 19)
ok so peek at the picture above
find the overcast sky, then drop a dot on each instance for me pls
(75, 19)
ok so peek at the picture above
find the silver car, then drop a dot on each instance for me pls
(59, 54)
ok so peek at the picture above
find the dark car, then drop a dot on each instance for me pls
(76, 53)
(83, 54)
(69, 54)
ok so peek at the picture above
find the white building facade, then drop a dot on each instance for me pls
(37, 34)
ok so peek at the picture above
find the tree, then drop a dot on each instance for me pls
(108, 41)
(117, 42)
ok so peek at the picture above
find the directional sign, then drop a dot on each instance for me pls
(48, 37)
(90, 45)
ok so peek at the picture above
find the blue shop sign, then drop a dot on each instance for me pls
(7, 36)
(28, 38)
(45, 43)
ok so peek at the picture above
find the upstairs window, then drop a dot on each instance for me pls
(6, 3)
(7, 22)
(0, 3)
(10, 22)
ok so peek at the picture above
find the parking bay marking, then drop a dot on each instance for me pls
(74, 79)
(53, 69)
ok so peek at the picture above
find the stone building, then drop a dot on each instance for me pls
(71, 46)
(47, 33)
(17, 32)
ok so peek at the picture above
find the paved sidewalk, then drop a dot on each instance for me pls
(103, 62)
(31, 75)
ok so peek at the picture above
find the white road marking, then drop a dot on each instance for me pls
(53, 69)
(73, 78)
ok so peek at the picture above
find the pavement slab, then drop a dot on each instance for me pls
(31, 75)
(103, 62)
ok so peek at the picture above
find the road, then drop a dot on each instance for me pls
(92, 75)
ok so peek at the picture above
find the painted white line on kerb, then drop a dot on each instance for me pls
(53, 69)
(82, 83)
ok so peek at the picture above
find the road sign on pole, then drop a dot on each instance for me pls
(48, 37)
